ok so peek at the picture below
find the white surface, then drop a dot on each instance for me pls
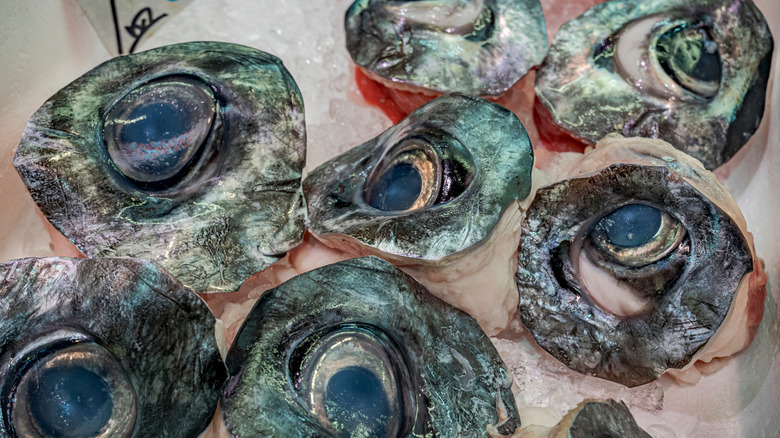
(46, 44)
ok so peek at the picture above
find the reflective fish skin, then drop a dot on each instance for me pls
(214, 198)
(685, 292)
(133, 319)
(477, 47)
(693, 74)
(433, 357)
(469, 162)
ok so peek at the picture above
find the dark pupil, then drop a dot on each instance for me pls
(70, 402)
(691, 58)
(356, 402)
(631, 226)
(397, 189)
(155, 132)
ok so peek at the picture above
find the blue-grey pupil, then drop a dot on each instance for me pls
(632, 225)
(155, 122)
(356, 401)
(70, 402)
(397, 189)
(156, 131)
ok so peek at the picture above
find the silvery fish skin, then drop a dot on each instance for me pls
(471, 158)
(311, 346)
(677, 274)
(477, 47)
(692, 73)
(189, 155)
(136, 349)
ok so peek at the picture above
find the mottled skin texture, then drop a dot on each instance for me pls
(237, 210)
(591, 101)
(161, 333)
(636, 350)
(595, 419)
(366, 291)
(507, 42)
(486, 134)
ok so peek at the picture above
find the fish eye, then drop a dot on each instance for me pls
(358, 348)
(640, 248)
(100, 347)
(156, 132)
(71, 390)
(668, 58)
(689, 55)
(415, 174)
(634, 235)
(354, 377)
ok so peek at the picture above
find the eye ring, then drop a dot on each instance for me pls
(302, 325)
(412, 163)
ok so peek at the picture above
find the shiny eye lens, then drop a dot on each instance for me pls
(350, 379)
(634, 235)
(157, 131)
(356, 396)
(70, 402)
(690, 57)
(72, 392)
(408, 180)
(631, 226)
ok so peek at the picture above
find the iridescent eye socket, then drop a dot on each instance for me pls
(458, 161)
(627, 270)
(73, 391)
(102, 347)
(358, 349)
(156, 132)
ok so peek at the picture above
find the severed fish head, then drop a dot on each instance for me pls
(631, 264)
(312, 348)
(104, 347)
(476, 47)
(189, 155)
(692, 73)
